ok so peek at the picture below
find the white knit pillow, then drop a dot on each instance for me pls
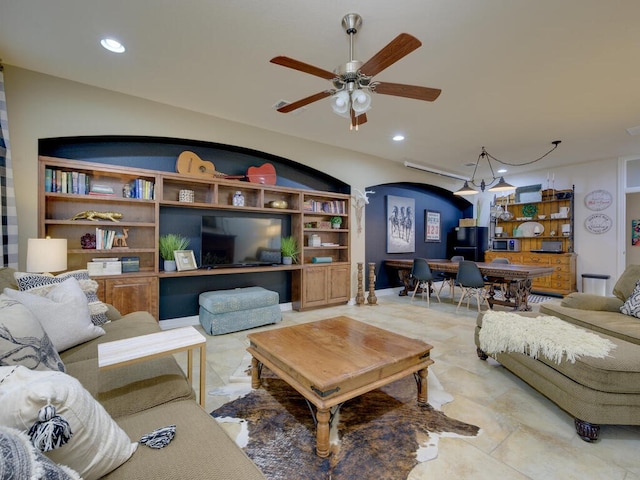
(97, 444)
(63, 313)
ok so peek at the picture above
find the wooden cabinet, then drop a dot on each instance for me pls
(324, 285)
(130, 293)
(563, 279)
(137, 196)
(326, 256)
(553, 217)
(549, 213)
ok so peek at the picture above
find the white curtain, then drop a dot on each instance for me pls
(9, 238)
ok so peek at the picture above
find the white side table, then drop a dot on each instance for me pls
(145, 347)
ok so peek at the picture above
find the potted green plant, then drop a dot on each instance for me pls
(336, 222)
(289, 250)
(169, 243)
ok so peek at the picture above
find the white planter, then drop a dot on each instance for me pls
(169, 265)
(287, 260)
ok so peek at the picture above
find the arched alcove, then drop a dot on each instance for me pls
(425, 197)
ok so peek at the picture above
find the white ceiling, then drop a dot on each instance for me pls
(515, 74)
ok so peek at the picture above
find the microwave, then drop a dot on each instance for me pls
(506, 245)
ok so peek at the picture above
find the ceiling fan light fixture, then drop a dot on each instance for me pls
(360, 101)
(340, 102)
(357, 77)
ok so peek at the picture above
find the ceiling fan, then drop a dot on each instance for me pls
(353, 81)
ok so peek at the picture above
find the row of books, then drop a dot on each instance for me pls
(142, 188)
(66, 182)
(333, 206)
(79, 183)
(104, 239)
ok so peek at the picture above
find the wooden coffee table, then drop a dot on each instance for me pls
(331, 361)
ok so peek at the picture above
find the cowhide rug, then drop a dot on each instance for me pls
(379, 432)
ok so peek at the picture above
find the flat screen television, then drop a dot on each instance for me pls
(240, 240)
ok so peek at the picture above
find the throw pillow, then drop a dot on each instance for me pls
(41, 284)
(270, 255)
(20, 459)
(63, 313)
(97, 444)
(627, 281)
(632, 305)
(23, 341)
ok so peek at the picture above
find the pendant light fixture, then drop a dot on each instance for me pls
(501, 185)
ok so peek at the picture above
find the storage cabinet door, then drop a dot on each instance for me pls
(338, 287)
(315, 286)
(132, 294)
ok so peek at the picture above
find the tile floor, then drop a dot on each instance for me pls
(523, 435)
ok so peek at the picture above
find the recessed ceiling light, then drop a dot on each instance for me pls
(502, 170)
(398, 138)
(112, 45)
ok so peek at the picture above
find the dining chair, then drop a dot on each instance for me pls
(422, 275)
(471, 281)
(449, 278)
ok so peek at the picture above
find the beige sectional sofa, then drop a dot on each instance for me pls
(595, 391)
(149, 395)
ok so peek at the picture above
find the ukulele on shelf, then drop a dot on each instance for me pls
(189, 163)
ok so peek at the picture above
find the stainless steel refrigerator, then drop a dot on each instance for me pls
(470, 242)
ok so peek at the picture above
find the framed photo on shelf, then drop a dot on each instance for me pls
(185, 260)
(432, 226)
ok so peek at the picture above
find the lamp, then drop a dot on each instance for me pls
(502, 185)
(46, 255)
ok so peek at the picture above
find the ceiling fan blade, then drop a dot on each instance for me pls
(358, 119)
(398, 48)
(409, 91)
(303, 67)
(290, 107)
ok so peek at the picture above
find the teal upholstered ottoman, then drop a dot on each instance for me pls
(225, 311)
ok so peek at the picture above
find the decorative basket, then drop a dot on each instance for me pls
(186, 196)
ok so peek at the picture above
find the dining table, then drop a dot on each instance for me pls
(517, 278)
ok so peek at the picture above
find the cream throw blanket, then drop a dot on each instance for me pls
(543, 335)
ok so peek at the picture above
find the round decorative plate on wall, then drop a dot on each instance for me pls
(598, 200)
(598, 223)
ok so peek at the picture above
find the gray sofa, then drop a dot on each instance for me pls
(152, 394)
(595, 391)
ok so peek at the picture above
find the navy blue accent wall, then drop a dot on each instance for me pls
(161, 153)
(427, 197)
